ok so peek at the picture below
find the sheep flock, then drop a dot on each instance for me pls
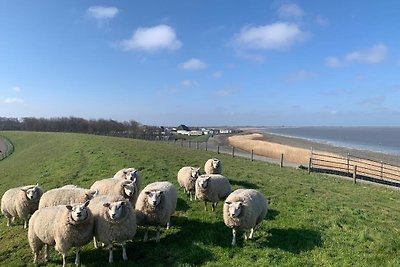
(110, 211)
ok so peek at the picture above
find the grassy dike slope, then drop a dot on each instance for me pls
(314, 220)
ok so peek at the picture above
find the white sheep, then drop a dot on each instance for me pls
(155, 205)
(212, 188)
(114, 186)
(20, 202)
(213, 166)
(114, 221)
(187, 179)
(63, 226)
(65, 195)
(130, 174)
(244, 209)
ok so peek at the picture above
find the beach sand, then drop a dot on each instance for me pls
(271, 142)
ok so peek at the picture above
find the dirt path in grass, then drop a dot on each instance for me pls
(3, 147)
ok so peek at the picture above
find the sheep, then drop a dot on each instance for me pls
(187, 179)
(65, 195)
(21, 202)
(244, 209)
(114, 186)
(130, 174)
(156, 203)
(212, 188)
(62, 226)
(114, 221)
(213, 166)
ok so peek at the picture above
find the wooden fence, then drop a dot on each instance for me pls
(9, 147)
(354, 166)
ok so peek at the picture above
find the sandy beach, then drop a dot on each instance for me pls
(302, 147)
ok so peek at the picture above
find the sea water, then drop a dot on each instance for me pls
(379, 139)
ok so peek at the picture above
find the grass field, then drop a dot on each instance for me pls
(314, 220)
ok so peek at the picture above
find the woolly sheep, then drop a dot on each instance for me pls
(21, 202)
(114, 221)
(187, 179)
(156, 203)
(63, 226)
(130, 174)
(244, 209)
(213, 166)
(212, 188)
(113, 186)
(65, 195)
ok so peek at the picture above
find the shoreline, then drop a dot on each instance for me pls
(301, 143)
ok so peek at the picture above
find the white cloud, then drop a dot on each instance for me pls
(225, 92)
(279, 35)
(300, 75)
(189, 83)
(288, 11)
(193, 64)
(16, 89)
(10, 100)
(217, 74)
(102, 13)
(374, 55)
(333, 62)
(152, 39)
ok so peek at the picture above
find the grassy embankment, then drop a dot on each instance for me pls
(314, 220)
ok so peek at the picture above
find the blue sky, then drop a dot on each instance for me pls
(315, 62)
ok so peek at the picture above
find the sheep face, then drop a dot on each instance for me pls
(116, 209)
(215, 163)
(131, 175)
(129, 189)
(195, 173)
(234, 208)
(203, 182)
(154, 197)
(32, 193)
(79, 212)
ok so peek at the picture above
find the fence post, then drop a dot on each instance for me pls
(197, 145)
(381, 169)
(348, 163)
(233, 152)
(190, 143)
(281, 165)
(355, 174)
(206, 145)
(252, 152)
(218, 149)
(309, 164)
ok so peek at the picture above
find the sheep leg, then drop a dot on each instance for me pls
(25, 224)
(233, 237)
(190, 196)
(110, 254)
(95, 242)
(168, 225)
(64, 257)
(205, 205)
(77, 257)
(158, 234)
(124, 256)
(146, 235)
(35, 258)
(46, 253)
(213, 205)
(8, 221)
(251, 233)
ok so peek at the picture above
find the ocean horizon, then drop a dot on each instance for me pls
(378, 139)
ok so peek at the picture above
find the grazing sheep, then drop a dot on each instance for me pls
(63, 226)
(113, 186)
(213, 166)
(130, 174)
(21, 202)
(244, 209)
(212, 188)
(187, 179)
(114, 221)
(66, 195)
(156, 203)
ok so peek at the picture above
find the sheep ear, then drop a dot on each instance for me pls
(134, 180)
(24, 189)
(69, 207)
(86, 203)
(228, 202)
(161, 192)
(37, 185)
(107, 205)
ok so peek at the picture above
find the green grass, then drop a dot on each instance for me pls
(314, 220)
(194, 138)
